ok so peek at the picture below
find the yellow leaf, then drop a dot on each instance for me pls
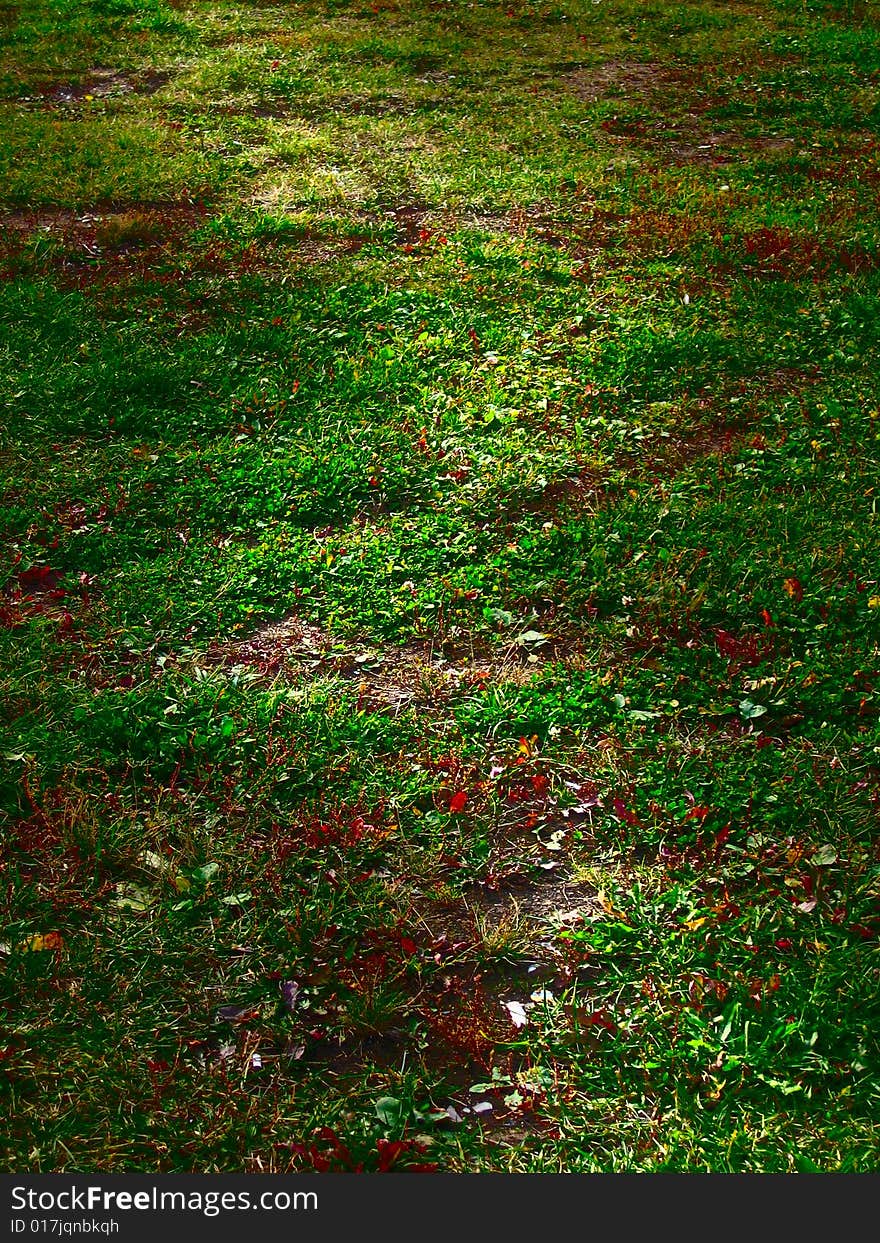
(44, 941)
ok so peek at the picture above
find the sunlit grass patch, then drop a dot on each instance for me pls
(54, 162)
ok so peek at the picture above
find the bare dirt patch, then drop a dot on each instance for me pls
(385, 105)
(580, 227)
(462, 1017)
(415, 674)
(101, 84)
(97, 83)
(109, 241)
(409, 219)
(687, 147)
(322, 248)
(687, 141)
(489, 967)
(519, 912)
(106, 224)
(113, 244)
(626, 78)
(662, 456)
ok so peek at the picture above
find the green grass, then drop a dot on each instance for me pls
(440, 449)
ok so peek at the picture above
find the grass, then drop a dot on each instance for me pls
(439, 622)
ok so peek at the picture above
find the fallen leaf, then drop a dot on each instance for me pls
(235, 1014)
(825, 856)
(566, 917)
(517, 1013)
(38, 579)
(153, 862)
(44, 941)
(389, 1110)
(133, 898)
(163, 868)
(290, 990)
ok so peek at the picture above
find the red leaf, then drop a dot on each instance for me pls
(622, 812)
(389, 1150)
(39, 578)
(457, 802)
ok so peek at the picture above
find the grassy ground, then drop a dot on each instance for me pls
(440, 611)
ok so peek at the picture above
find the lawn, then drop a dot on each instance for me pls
(440, 585)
